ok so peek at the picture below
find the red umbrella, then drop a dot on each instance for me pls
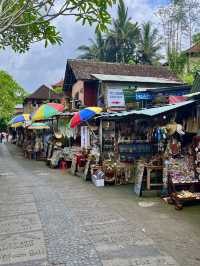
(59, 107)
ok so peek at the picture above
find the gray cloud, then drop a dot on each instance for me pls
(47, 65)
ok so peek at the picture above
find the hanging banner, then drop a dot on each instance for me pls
(115, 99)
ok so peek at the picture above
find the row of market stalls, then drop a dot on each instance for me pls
(156, 148)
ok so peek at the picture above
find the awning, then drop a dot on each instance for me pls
(122, 78)
(147, 112)
(192, 95)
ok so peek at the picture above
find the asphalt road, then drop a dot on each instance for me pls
(49, 217)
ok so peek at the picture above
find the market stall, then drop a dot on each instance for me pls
(139, 140)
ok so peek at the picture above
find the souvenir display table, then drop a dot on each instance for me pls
(152, 168)
(116, 172)
(183, 186)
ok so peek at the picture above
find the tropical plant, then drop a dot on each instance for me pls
(123, 38)
(149, 44)
(96, 50)
(24, 22)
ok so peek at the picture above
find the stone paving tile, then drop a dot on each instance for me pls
(148, 261)
(16, 198)
(76, 227)
(22, 247)
(18, 224)
(17, 209)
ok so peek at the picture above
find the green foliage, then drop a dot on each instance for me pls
(187, 78)
(11, 93)
(190, 77)
(195, 68)
(149, 44)
(196, 38)
(176, 62)
(96, 50)
(57, 90)
(125, 42)
(3, 124)
(30, 21)
(123, 38)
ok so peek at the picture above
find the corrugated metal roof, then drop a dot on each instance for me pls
(190, 95)
(147, 112)
(122, 78)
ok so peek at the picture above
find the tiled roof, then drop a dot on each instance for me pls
(59, 84)
(83, 69)
(45, 93)
(41, 93)
(194, 49)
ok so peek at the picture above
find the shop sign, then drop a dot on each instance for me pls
(143, 96)
(115, 98)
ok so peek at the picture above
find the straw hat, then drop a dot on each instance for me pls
(171, 128)
(180, 129)
(59, 144)
(58, 135)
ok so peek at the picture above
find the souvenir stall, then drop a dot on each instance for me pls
(136, 144)
(33, 144)
(87, 151)
(124, 143)
(183, 160)
(67, 147)
(18, 124)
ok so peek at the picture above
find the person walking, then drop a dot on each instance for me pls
(1, 137)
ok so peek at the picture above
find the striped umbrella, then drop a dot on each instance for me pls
(46, 111)
(38, 126)
(84, 115)
(16, 125)
(20, 118)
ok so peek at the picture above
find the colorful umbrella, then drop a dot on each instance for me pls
(16, 125)
(46, 111)
(21, 118)
(38, 126)
(84, 115)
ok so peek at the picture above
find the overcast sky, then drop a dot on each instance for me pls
(47, 65)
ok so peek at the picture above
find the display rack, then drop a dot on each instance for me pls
(183, 191)
(134, 150)
(108, 140)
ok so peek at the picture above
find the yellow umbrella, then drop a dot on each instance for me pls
(16, 125)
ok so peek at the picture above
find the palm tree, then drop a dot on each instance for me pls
(149, 44)
(96, 50)
(121, 41)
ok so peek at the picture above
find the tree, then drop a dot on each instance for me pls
(24, 22)
(118, 44)
(11, 93)
(176, 62)
(123, 38)
(149, 44)
(196, 38)
(96, 50)
(180, 20)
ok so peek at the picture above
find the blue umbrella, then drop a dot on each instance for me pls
(21, 118)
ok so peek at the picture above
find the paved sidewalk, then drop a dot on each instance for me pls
(48, 217)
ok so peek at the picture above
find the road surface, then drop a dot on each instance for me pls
(48, 217)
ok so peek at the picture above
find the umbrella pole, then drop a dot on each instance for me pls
(91, 129)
